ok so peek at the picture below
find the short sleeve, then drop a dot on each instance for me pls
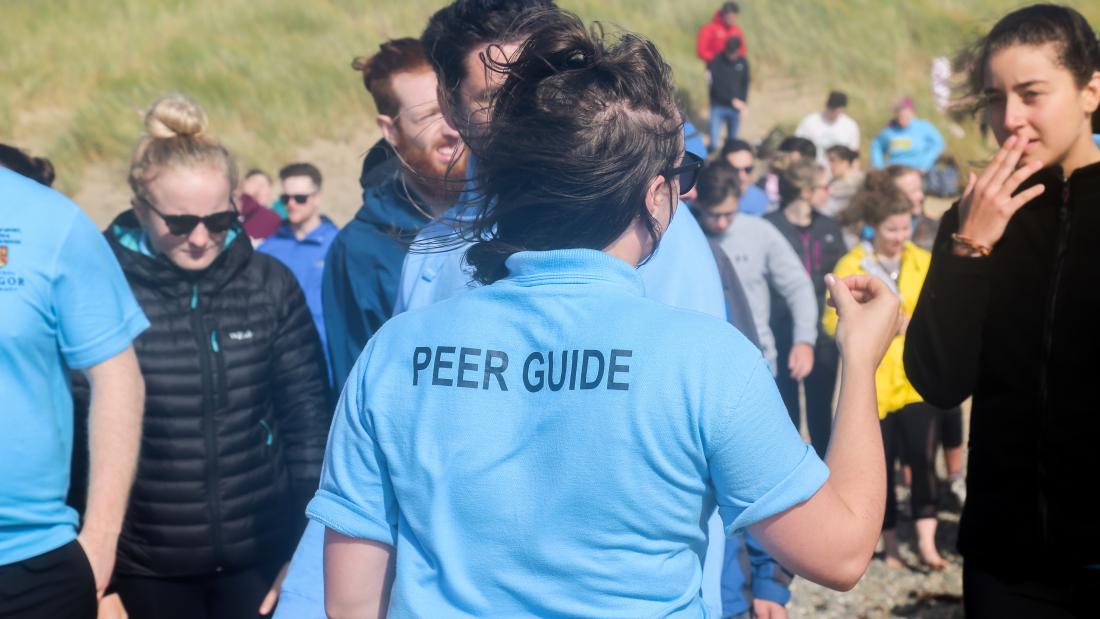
(355, 495)
(758, 463)
(97, 315)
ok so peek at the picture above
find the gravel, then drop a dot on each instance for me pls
(886, 592)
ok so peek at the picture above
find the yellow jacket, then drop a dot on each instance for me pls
(893, 387)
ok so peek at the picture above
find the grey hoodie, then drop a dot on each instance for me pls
(765, 261)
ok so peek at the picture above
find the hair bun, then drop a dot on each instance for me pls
(175, 115)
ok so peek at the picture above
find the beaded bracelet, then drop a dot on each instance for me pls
(970, 244)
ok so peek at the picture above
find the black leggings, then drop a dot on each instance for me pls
(819, 385)
(1068, 595)
(951, 427)
(235, 595)
(912, 432)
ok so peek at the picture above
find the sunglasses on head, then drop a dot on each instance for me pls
(297, 198)
(687, 172)
(184, 225)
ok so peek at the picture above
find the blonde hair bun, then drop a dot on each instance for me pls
(175, 115)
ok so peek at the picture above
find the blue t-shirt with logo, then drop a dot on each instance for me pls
(552, 445)
(64, 303)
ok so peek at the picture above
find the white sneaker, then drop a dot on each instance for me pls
(958, 488)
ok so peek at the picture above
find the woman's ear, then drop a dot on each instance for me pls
(140, 212)
(660, 200)
(1090, 95)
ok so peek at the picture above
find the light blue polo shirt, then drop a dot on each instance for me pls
(552, 445)
(64, 303)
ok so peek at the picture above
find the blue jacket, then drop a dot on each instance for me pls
(918, 146)
(363, 268)
(306, 259)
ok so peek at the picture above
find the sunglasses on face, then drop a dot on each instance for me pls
(184, 225)
(745, 170)
(687, 172)
(297, 198)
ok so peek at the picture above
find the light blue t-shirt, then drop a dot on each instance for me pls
(553, 444)
(681, 273)
(64, 303)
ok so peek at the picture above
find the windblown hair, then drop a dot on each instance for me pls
(1074, 40)
(393, 57)
(467, 25)
(580, 127)
(35, 168)
(878, 199)
(175, 136)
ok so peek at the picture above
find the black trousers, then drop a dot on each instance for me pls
(1070, 595)
(57, 584)
(224, 595)
(912, 433)
(819, 386)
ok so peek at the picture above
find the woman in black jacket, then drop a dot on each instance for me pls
(819, 242)
(1008, 315)
(235, 410)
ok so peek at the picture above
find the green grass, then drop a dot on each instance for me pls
(275, 74)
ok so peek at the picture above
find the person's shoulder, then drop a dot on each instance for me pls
(918, 254)
(272, 272)
(849, 263)
(762, 225)
(30, 201)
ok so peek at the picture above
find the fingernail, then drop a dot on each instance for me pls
(830, 279)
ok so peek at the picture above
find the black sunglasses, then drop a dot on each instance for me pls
(183, 225)
(745, 170)
(300, 198)
(687, 171)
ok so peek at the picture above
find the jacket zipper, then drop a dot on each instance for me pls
(207, 345)
(1044, 368)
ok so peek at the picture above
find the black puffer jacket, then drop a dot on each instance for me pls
(235, 412)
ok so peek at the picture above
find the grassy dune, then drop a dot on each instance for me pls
(275, 74)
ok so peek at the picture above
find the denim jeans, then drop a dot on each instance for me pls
(720, 114)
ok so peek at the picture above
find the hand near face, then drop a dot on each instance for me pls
(988, 202)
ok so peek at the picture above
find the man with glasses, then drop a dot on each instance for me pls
(303, 241)
(740, 155)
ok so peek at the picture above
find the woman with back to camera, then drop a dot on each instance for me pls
(1008, 315)
(819, 243)
(909, 426)
(548, 444)
(235, 414)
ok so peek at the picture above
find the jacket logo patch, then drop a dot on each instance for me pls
(241, 335)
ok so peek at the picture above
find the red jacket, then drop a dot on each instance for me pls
(712, 38)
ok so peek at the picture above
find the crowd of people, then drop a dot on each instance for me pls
(559, 361)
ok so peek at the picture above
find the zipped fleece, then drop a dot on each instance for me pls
(235, 412)
(1017, 330)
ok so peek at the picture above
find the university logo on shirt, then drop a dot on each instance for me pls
(3, 256)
